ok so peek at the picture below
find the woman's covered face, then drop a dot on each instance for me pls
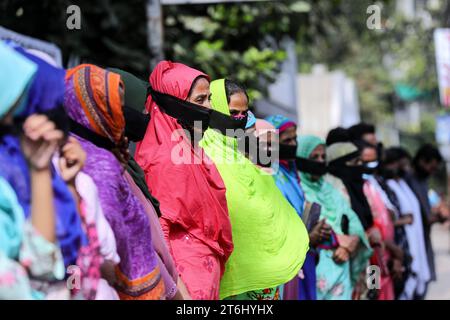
(318, 155)
(238, 105)
(289, 136)
(357, 161)
(200, 93)
(369, 155)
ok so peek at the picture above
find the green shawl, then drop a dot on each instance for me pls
(334, 205)
(270, 240)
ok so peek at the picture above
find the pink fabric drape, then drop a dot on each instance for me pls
(192, 196)
(384, 223)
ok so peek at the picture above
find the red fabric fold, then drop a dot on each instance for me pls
(191, 195)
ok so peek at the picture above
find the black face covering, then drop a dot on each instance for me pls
(8, 130)
(401, 173)
(421, 173)
(188, 113)
(352, 178)
(380, 150)
(60, 118)
(287, 152)
(135, 124)
(91, 136)
(315, 168)
(388, 173)
(247, 144)
(368, 170)
(57, 115)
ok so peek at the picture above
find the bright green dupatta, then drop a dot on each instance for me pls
(270, 240)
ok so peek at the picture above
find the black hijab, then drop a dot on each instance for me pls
(352, 177)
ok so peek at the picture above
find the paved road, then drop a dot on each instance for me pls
(440, 290)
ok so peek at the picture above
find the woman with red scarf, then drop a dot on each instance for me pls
(191, 193)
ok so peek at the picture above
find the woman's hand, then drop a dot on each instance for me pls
(374, 237)
(341, 255)
(72, 159)
(348, 242)
(395, 250)
(397, 269)
(320, 232)
(404, 220)
(108, 272)
(39, 141)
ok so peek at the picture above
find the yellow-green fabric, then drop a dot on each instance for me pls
(270, 240)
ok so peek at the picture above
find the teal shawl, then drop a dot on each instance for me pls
(334, 281)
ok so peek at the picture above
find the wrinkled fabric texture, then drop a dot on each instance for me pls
(334, 281)
(286, 176)
(307, 286)
(97, 92)
(281, 122)
(16, 73)
(89, 193)
(14, 169)
(275, 293)
(135, 90)
(270, 240)
(199, 266)
(165, 260)
(383, 222)
(47, 89)
(288, 181)
(420, 187)
(138, 271)
(189, 188)
(106, 241)
(138, 176)
(400, 237)
(417, 281)
(135, 98)
(353, 183)
(101, 243)
(89, 258)
(24, 254)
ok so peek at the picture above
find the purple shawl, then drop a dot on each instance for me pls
(169, 272)
(122, 209)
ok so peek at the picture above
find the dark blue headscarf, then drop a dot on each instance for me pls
(45, 93)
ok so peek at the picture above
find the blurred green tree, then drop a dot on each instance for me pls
(113, 33)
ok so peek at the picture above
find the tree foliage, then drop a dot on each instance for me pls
(243, 42)
(113, 33)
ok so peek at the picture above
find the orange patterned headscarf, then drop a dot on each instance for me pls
(97, 91)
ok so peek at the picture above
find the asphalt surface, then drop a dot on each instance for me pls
(440, 290)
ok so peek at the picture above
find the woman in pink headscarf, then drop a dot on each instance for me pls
(192, 194)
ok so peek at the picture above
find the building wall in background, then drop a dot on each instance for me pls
(282, 95)
(326, 100)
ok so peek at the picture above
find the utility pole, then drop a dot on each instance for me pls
(155, 35)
